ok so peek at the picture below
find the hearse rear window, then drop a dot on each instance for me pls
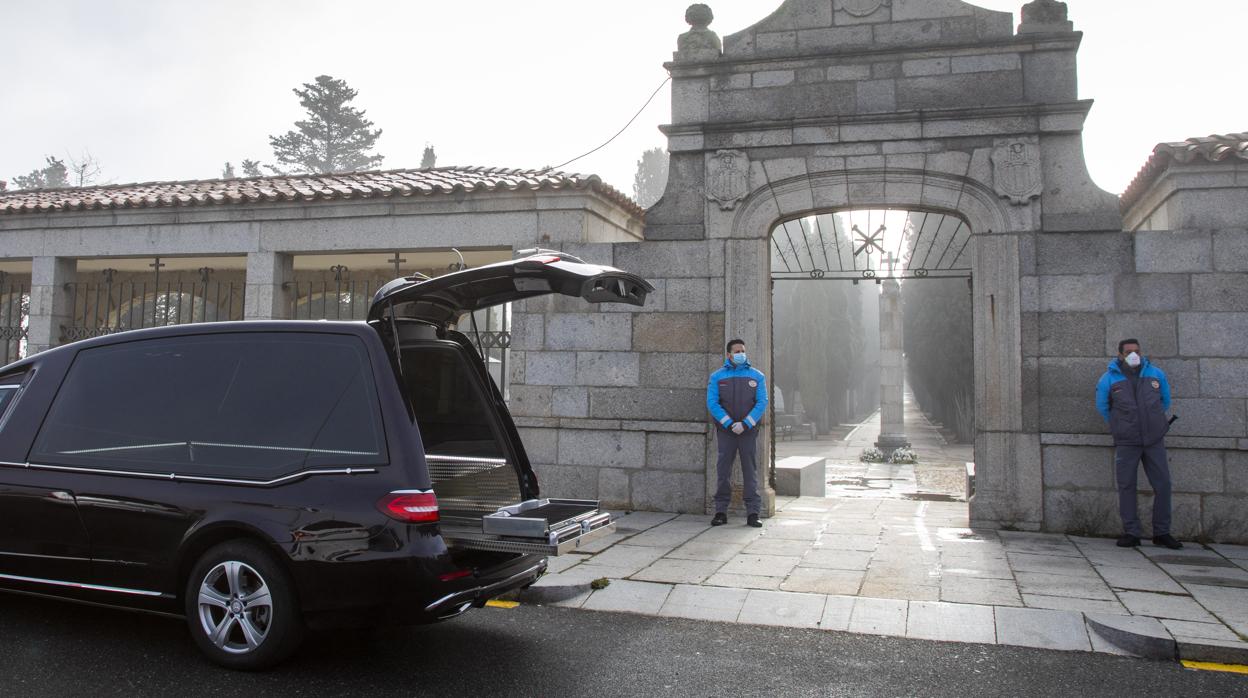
(245, 405)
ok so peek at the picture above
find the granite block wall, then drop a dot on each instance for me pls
(1170, 290)
(610, 399)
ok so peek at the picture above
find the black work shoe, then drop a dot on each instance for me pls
(752, 520)
(1168, 541)
(719, 519)
(1127, 540)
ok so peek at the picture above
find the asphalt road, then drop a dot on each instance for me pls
(52, 648)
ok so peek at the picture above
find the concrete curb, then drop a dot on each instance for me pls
(1143, 637)
(1212, 651)
(548, 594)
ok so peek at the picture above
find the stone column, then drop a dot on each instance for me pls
(51, 309)
(892, 372)
(267, 297)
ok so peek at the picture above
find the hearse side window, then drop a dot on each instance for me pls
(451, 411)
(244, 405)
(10, 386)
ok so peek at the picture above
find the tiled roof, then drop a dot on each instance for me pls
(1215, 148)
(313, 187)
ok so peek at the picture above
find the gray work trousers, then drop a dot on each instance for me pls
(1157, 470)
(729, 446)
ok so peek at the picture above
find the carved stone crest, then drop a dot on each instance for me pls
(727, 178)
(862, 8)
(1016, 171)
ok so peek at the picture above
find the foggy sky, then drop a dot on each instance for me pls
(171, 90)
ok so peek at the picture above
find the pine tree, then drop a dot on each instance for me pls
(56, 174)
(651, 177)
(334, 138)
(429, 160)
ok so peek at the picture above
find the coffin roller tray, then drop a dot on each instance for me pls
(545, 519)
(537, 526)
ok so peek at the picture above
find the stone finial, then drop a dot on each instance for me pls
(699, 16)
(1045, 16)
(699, 43)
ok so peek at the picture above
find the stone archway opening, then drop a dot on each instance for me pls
(872, 354)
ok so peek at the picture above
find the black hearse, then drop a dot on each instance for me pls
(265, 477)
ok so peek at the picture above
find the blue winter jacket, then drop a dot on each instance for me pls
(1136, 415)
(737, 394)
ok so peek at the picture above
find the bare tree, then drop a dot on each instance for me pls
(84, 170)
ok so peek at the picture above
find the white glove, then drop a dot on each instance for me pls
(738, 428)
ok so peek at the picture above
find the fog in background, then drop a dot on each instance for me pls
(172, 90)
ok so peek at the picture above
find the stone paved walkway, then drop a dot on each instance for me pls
(914, 569)
(941, 470)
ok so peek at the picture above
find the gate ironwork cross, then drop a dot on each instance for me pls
(868, 241)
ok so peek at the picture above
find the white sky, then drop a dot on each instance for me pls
(172, 89)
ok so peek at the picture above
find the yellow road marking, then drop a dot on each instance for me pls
(1214, 666)
(495, 603)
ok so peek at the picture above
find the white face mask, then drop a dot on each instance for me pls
(1133, 360)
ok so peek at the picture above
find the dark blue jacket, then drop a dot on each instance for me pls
(737, 394)
(1136, 414)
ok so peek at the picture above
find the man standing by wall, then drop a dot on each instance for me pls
(1133, 396)
(736, 396)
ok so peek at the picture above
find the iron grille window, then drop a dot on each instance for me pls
(14, 322)
(101, 308)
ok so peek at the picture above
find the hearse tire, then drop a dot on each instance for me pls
(241, 607)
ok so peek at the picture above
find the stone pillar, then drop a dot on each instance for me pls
(50, 301)
(747, 316)
(892, 372)
(267, 297)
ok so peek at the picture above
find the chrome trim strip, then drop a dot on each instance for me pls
(137, 447)
(109, 449)
(80, 585)
(46, 557)
(474, 592)
(286, 448)
(192, 478)
(436, 458)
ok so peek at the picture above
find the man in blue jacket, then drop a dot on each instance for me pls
(736, 396)
(1133, 396)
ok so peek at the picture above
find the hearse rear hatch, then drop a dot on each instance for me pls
(480, 472)
(443, 299)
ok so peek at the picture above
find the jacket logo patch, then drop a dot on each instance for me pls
(1156, 385)
(754, 384)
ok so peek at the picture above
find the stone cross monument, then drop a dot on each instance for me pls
(892, 371)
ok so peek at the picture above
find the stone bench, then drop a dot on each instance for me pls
(801, 476)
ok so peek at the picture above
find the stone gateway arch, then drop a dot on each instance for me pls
(833, 105)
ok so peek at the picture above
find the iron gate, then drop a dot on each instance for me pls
(14, 321)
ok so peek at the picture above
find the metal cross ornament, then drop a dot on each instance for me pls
(396, 261)
(868, 241)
